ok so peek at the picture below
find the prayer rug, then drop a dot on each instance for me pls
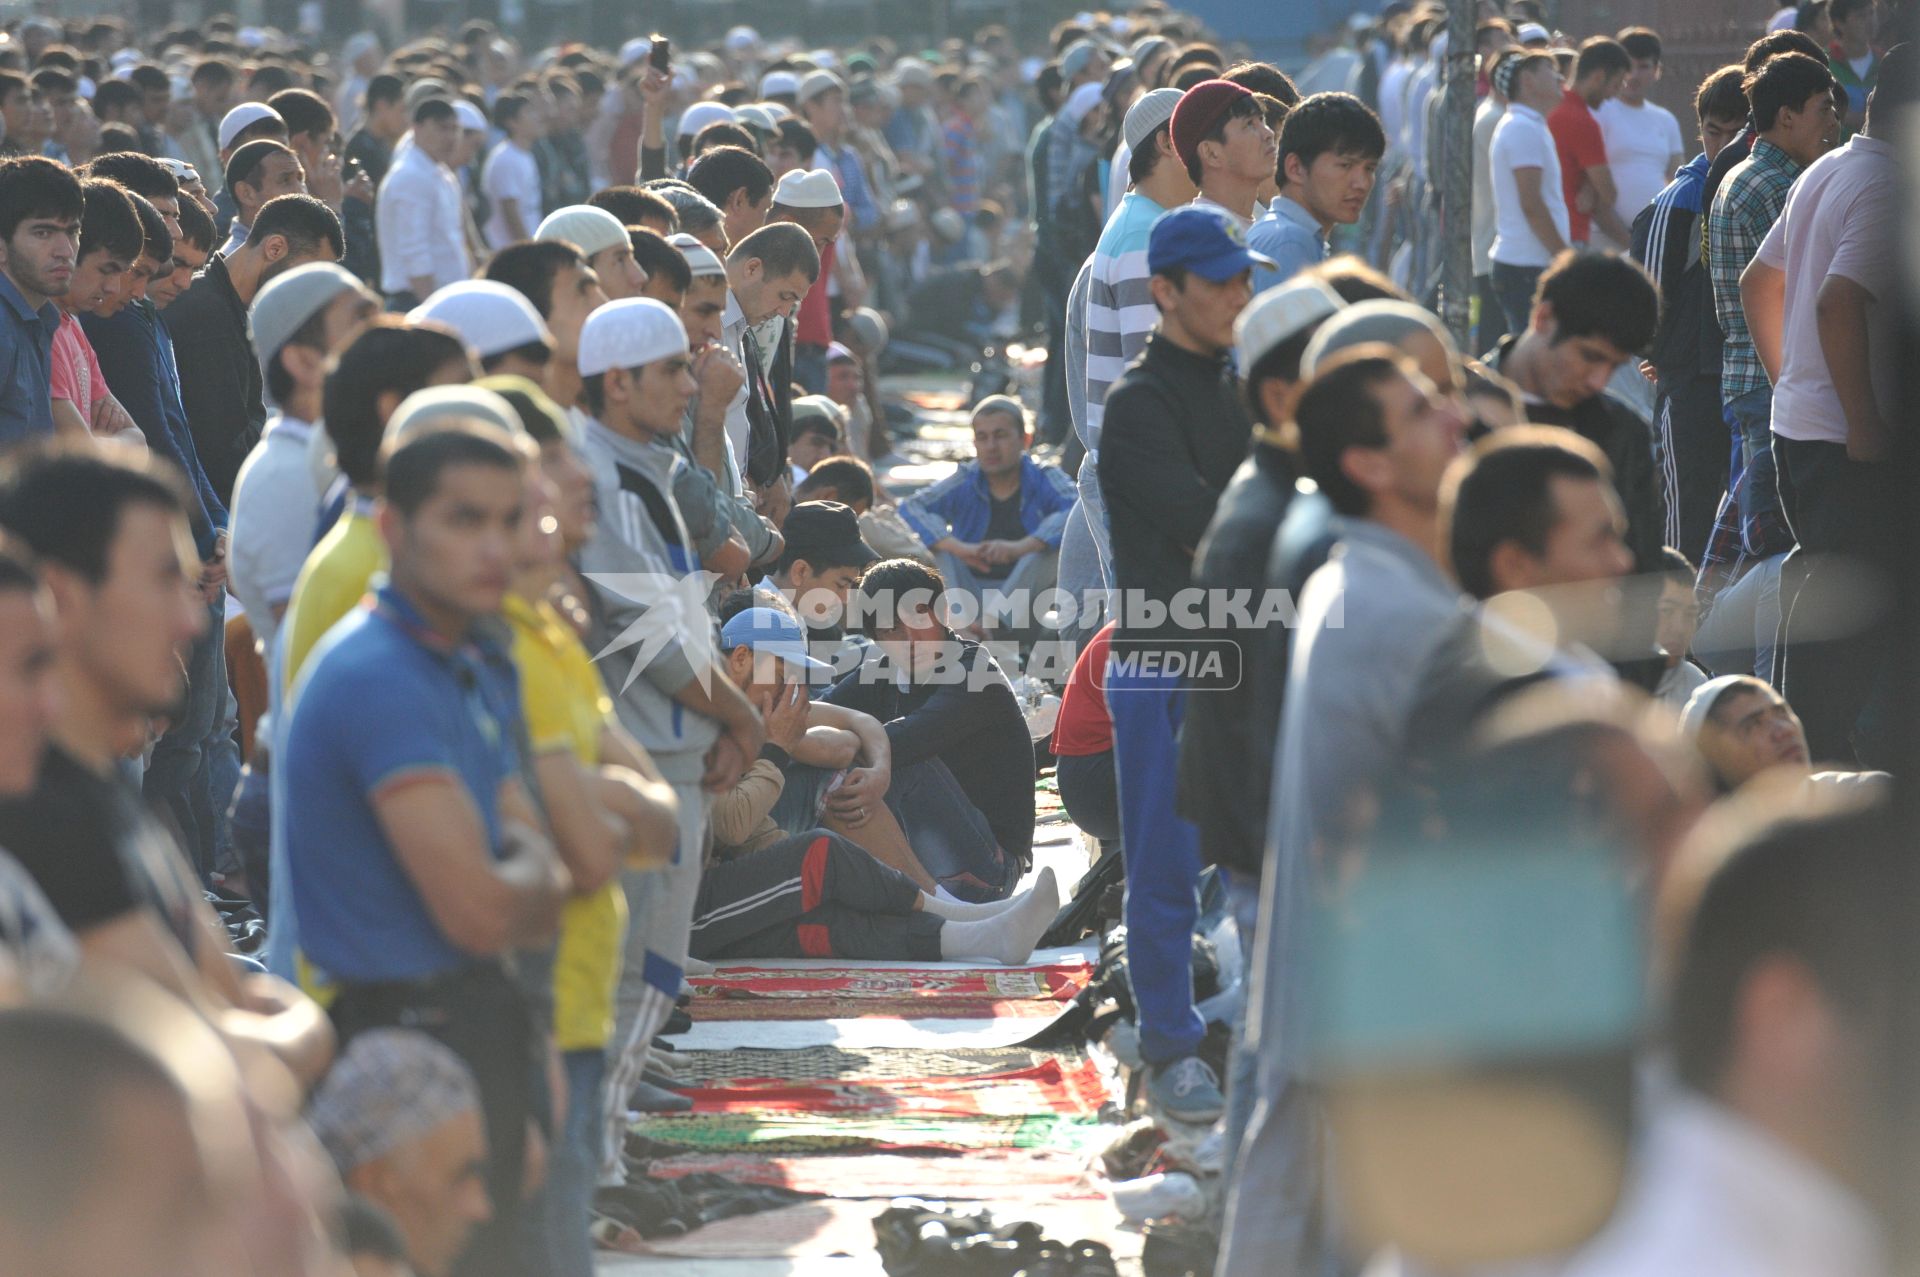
(983, 993)
(826, 1132)
(1051, 1087)
(840, 1064)
(981, 1173)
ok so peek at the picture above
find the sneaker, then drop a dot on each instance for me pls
(1186, 1090)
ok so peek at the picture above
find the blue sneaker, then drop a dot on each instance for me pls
(1185, 1090)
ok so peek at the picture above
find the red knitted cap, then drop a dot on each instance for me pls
(1199, 109)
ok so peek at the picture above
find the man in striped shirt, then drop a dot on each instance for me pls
(1120, 312)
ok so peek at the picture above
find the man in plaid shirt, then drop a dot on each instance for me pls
(1795, 123)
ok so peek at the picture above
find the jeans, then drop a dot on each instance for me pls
(948, 834)
(574, 1166)
(1090, 790)
(1739, 632)
(1011, 603)
(1841, 512)
(1763, 528)
(1514, 286)
(1493, 315)
(1162, 853)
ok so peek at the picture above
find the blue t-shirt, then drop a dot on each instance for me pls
(26, 365)
(385, 702)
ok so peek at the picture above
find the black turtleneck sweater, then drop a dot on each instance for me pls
(1174, 432)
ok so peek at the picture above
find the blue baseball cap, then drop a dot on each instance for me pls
(766, 629)
(1209, 244)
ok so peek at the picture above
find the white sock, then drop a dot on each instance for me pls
(943, 905)
(1008, 936)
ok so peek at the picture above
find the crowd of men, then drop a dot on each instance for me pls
(453, 591)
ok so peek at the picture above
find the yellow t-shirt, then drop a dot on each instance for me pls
(332, 582)
(566, 706)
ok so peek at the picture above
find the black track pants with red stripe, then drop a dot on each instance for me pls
(811, 896)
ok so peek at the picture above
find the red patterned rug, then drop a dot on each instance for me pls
(1069, 1088)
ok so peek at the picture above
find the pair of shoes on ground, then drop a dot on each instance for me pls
(922, 1239)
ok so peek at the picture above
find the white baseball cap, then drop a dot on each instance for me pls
(492, 318)
(1531, 31)
(1279, 313)
(703, 260)
(808, 188)
(244, 116)
(701, 114)
(593, 230)
(630, 333)
(469, 115)
(774, 83)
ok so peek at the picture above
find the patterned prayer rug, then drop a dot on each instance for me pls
(982, 993)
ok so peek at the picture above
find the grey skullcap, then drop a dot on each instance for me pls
(1074, 60)
(1148, 112)
(290, 300)
(389, 1088)
(1391, 322)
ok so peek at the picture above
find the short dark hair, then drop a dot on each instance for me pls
(726, 169)
(156, 239)
(507, 108)
(65, 501)
(34, 186)
(657, 257)
(1677, 567)
(722, 133)
(384, 88)
(1601, 295)
(634, 205)
(433, 110)
(108, 222)
(214, 71)
(538, 351)
(1340, 409)
(1146, 157)
(268, 79)
(1240, 108)
(304, 111)
(196, 228)
(389, 355)
(149, 78)
(303, 221)
(141, 174)
(53, 80)
(892, 580)
(848, 478)
(1775, 43)
(531, 266)
(1721, 95)
(794, 135)
(115, 95)
(1263, 77)
(1336, 122)
(411, 468)
(245, 163)
(18, 571)
(782, 249)
(1502, 491)
(1282, 362)
(1641, 43)
(1784, 82)
(11, 83)
(1815, 886)
(1897, 85)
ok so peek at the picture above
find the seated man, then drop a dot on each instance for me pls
(995, 525)
(783, 887)
(400, 1117)
(822, 562)
(850, 481)
(952, 313)
(1083, 744)
(962, 757)
(1742, 728)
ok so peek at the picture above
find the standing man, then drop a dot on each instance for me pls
(1816, 299)
(416, 858)
(1791, 99)
(1376, 438)
(1854, 61)
(1587, 180)
(220, 380)
(1330, 149)
(369, 153)
(40, 208)
(419, 215)
(1642, 138)
(659, 647)
(1691, 433)
(257, 172)
(822, 103)
(768, 275)
(1221, 134)
(1531, 223)
(1175, 429)
(608, 248)
(1492, 325)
